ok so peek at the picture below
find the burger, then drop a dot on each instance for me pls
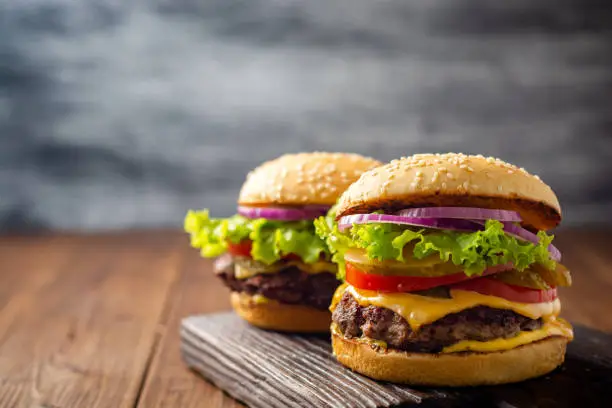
(278, 269)
(450, 276)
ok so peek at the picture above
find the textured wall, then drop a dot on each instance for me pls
(121, 114)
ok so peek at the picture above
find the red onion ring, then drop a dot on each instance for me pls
(468, 213)
(309, 212)
(437, 223)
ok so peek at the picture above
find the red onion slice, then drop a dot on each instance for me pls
(309, 212)
(468, 213)
(436, 223)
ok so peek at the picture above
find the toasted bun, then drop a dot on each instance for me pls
(304, 178)
(273, 315)
(455, 180)
(453, 370)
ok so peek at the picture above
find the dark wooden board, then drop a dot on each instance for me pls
(267, 369)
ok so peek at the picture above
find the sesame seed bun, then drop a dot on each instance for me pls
(303, 179)
(273, 315)
(453, 369)
(454, 180)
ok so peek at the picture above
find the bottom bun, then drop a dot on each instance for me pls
(454, 370)
(273, 315)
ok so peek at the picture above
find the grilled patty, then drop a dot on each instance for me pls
(289, 285)
(480, 323)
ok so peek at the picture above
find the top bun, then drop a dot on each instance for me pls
(303, 179)
(453, 180)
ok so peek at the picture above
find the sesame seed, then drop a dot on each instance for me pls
(450, 176)
(499, 188)
(444, 185)
(510, 172)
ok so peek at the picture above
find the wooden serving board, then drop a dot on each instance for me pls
(268, 370)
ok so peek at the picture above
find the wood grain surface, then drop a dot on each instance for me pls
(93, 320)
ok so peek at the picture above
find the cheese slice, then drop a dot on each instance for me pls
(313, 268)
(551, 327)
(420, 310)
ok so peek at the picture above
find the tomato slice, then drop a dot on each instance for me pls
(243, 248)
(396, 283)
(513, 293)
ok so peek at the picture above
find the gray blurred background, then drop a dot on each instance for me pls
(122, 114)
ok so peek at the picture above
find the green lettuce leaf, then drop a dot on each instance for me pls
(337, 242)
(473, 251)
(271, 239)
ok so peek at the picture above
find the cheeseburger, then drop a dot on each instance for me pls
(450, 276)
(278, 270)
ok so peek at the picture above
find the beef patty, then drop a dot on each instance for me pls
(480, 323)
(289, 285)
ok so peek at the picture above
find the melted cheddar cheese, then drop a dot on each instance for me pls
(420, 310)
(313, 268)
(551, 327)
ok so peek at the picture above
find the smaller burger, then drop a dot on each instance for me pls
(278, 270)
(451, 279)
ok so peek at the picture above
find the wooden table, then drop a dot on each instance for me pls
(92, 321)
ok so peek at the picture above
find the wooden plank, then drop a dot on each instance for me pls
(170, 383)
(80, 335)
(272, 370)
(268, 369)
(20, 254)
